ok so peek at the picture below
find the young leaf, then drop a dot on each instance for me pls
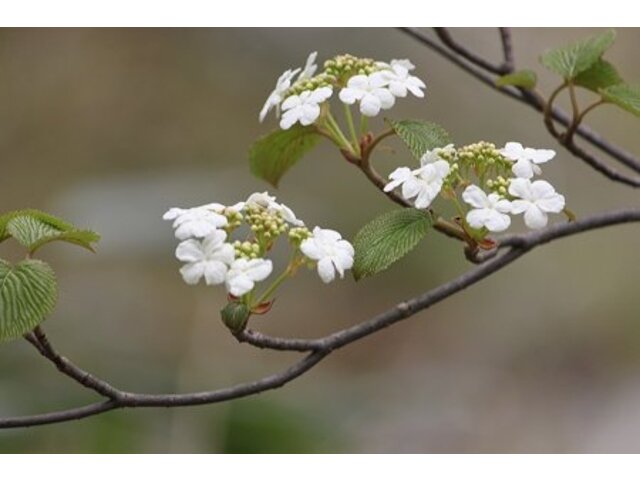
(420, 136)
(625, 96)
(387, 239)
(28, 293)
(600, 75)
(574, 59)
(522, 78)
(272, 155)
(33, 228)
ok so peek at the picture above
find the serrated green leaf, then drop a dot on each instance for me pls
(28, 293)
(274, 154)
(387, 239)
(625, 96)
(574, 59)
(521, 78)
(600, 75)
(33, 229)
(420, 136)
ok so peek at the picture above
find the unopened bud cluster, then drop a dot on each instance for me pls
(248, 250)
(341, 67)
(265, 223)
(297, 235)
(483, 154)
(498, 185)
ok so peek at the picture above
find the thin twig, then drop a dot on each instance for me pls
(445, 37)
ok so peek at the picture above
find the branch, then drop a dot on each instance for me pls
(446, 38)
(463, 58)
(515, 246)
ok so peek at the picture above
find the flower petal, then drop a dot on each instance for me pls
(475, 196)
(326, 270)
(523, 169)
(214, 272)
(497, 222)
(192, 272)
(552, 204)
(190, 251)
(258, 269)
(521, 187)
(535, 218)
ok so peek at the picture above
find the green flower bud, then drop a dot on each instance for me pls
(235, 316)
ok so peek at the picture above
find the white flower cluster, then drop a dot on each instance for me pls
(374, 86)
(512, 196)
(207, 250)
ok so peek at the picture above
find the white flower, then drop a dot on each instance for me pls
(331, 251)
(424, 183)
(196, 222)
(431, 156)
(243, 274)
(536, 200)
(269, 203)
(490, 210)
(208, 258)
(303, 108)
(527, 159)
(401, 81)
(310, 67)
(274, 99)
(404, 62)
(371, 91)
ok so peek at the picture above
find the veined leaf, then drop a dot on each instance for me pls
(600, 75)
(522, 78)
(28, 293)
(33, 228)
(420, 136)
(387, 239)
(625, 96)
(574, 59)
(272, 155)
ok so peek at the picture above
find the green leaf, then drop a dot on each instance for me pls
(522, 78)
(272, 155)
(600, 75)
(28, 293)
(625, 96)
(387, 239)
(420, 136)
(33, 229)
(574, 59)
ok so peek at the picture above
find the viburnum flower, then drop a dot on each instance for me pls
(489, 210)
(268, 202)
(424, 183)
(303, 108)
(401, 81)
(196, 222)
(208, 258)
(371, 91)
(243, 274)
(331, 252)
(526, 159)
(431, 156)
(535, 200)
(310, 67)
(275, 97)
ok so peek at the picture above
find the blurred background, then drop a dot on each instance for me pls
(110, 127)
